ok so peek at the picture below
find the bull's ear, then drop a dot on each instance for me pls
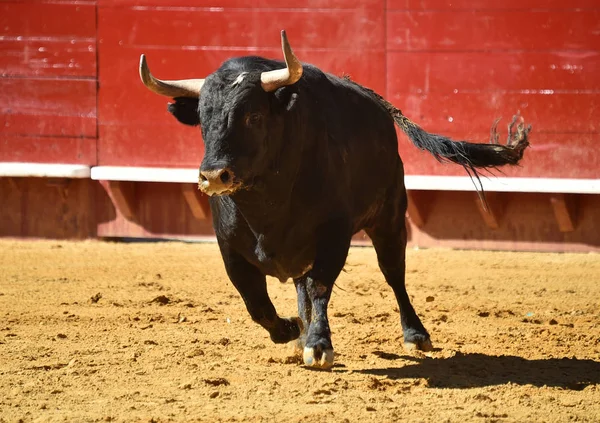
(292, 101)
(287, 97)
(185, 110)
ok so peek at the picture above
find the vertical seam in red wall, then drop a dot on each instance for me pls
(385, 53)
(97, 88)
(94, 199)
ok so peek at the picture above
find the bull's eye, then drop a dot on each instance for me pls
(252, 119)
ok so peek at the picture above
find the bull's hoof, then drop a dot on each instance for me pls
(289, 328)
(415, 340)
(425, 346)
(317, 358)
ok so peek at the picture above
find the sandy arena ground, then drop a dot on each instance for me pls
(98, 331)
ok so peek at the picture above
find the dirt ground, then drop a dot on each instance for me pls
(101, 331)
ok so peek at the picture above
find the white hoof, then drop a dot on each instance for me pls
(323, 362)
(421, 346)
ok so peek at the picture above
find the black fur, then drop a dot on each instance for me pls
(185, 110)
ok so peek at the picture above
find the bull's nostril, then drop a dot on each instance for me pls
(225, 177)
(203, 178)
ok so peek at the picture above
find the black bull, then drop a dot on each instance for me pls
(296, 162)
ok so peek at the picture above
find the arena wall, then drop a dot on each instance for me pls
(86, 151)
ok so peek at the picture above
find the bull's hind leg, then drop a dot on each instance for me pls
(389, 239)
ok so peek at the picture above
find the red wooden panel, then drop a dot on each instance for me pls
(488, 5)
(527, 224)
(130, 115)
(306, 28)
(36, 2)
(364, 67)
(281, 4)
(550, 156)
(47, 20)
(48, 107)
(47, 149)
(485, 30)
(39, 207)
(48, 58)
(167, 143)
(573, 113)
(160, 210)
(418, 72)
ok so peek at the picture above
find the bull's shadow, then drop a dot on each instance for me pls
(478, 370)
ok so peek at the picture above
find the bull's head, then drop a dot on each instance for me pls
(240, 110)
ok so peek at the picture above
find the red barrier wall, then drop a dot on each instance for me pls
(48, 85)
(188, 41)
(454, 68)
(70, 90)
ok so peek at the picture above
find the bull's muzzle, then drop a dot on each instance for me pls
(216, 181)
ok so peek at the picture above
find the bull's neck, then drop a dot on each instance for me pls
(271, 206)
(271, 192)
(291, 183)
(266, 199)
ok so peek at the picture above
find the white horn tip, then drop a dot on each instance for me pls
(144, 69)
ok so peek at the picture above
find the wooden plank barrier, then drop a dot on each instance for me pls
(87, 151)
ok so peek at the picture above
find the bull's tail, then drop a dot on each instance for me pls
(471, 156)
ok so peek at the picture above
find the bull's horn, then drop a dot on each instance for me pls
(274, 79)
(181, 88)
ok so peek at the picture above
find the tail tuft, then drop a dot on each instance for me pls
(471, 155)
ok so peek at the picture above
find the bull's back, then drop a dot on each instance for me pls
(366, 142)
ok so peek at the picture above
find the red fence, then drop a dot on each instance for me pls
(48, 85)
(70, 91)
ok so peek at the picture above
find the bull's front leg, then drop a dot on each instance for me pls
(332, 249)
(252, 286)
